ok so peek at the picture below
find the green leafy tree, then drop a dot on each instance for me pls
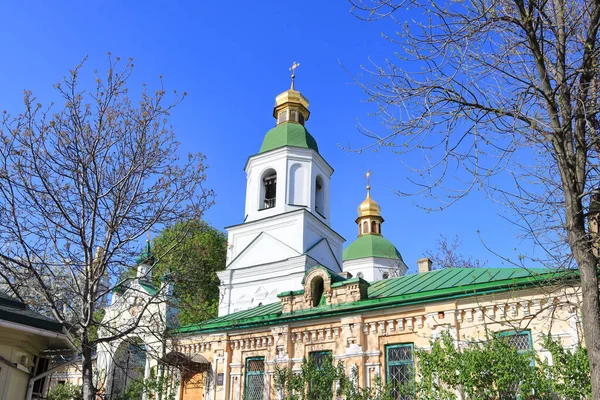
(191, 253)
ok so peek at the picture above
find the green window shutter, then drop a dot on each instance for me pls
(255, 378)
(400, 369)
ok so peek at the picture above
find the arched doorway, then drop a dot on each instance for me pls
(129, 365)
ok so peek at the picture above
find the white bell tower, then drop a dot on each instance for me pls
(286, 228)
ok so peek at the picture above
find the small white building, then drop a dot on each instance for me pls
(27, 339)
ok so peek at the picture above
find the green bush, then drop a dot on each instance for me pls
(65, 392)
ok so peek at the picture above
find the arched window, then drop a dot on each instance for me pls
(365, 227)
(269, 189)
(374, 227)
(317, 287)
(320, 196)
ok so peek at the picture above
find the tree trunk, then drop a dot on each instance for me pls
(591, 313)
(582, 249)
(88, 390)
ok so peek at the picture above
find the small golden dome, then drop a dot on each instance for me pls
(369, 207)
(291, 102)
(291, 96)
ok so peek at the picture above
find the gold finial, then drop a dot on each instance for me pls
(293, 69)
(368, 207)
(148, 238)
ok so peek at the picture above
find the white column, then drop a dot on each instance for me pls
(146, 374)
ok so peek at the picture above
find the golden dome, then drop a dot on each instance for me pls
(291, 100)
(369, 207)
(291, 96)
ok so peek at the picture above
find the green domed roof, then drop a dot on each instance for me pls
(145, 256)
(288, 134)
(371, 246)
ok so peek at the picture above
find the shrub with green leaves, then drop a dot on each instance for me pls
(65, 391)
(491, 369)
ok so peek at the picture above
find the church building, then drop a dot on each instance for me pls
(292, 291)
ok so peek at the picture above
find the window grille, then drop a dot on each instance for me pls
(522, 342)
(519, 340)
(319, 358)
(255, 378)
(400, 368)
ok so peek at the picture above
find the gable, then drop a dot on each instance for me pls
(263, 249)
(321, 252)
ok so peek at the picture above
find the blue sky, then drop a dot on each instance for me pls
(232, 59)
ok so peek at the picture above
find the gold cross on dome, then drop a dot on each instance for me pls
(293, 68)
(368, 176)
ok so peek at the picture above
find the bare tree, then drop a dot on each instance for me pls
(98, 172)
(490, 89)
(447, 255)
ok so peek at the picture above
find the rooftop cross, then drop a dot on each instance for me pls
(368, 176)
(293, 69)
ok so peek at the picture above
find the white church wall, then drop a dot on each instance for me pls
(314, 231)
(286, 228)
(375, 268)
(247, 287)
(297, 186)
(292, 165)
(263, 250)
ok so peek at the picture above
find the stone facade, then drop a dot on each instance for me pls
(359, 339)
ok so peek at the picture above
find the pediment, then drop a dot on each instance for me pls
(261, 293)
(322, 253)
(263, 249)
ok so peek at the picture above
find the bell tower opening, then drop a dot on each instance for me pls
(269, 189)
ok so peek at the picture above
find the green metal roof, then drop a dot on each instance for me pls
(371, 246)
(288, 134)
(145, 257)
(411, 289)
(14, 310)
(148, 287)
